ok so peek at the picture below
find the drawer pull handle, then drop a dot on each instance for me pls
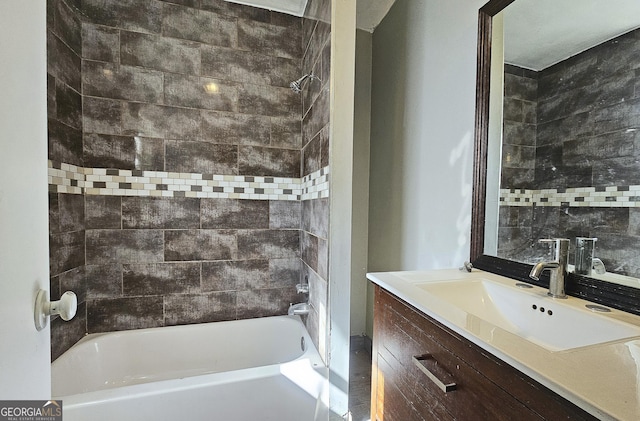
(429, 366)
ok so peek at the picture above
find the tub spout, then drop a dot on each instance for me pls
(300, 309)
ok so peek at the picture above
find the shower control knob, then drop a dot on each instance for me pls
(66, 307)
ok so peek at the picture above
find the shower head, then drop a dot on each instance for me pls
(296, 85)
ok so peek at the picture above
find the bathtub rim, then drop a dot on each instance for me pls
(140, 389)
(91, 336)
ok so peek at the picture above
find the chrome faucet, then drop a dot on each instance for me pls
(557, 267)
(585, 260)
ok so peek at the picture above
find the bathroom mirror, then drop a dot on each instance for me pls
(558, 131)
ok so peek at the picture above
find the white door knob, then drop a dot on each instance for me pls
(66, 307)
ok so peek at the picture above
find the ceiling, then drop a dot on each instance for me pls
(291, 7)
(369, 12)
(540, 33)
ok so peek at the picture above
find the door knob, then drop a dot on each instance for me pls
(66, 307)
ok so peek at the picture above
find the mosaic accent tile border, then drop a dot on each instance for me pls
(66, 178)
(316, 184)
(604, 197)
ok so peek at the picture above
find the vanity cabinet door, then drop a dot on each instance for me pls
(415, 358)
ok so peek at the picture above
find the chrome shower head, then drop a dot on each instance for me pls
(296, 85)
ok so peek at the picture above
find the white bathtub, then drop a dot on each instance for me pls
(258, 369)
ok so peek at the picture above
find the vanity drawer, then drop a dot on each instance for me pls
(395, 404)
(403, 347)
(486, 388)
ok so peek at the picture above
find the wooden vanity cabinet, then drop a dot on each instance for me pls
(412, 353)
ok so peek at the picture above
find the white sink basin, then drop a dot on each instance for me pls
(551, 323)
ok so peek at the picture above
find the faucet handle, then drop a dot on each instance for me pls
(585, 260)
(554, 240)
(586, 241)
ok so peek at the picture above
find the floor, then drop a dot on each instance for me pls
(360, 383)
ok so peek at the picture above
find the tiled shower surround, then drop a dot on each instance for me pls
(314, 244)
(570, 155)
(187, 182)
(66, 211)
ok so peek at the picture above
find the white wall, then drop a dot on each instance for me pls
(24, 241)
(341, 201)
(494, 149)
(361, 138)
(423, 102)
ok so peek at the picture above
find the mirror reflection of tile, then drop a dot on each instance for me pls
(569, 162)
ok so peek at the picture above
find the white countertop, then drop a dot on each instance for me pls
(603, 379)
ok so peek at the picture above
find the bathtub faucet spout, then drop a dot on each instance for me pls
(300, 309)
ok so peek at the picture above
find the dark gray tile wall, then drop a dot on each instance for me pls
(64, 98)
(316, 46)
(157, 262)
(587, 111)
(586, 106)
(66, 265)
(519, 125)
(66, 211)
(188, 86)
(196, 82)
(615, 228)
(558, 120)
